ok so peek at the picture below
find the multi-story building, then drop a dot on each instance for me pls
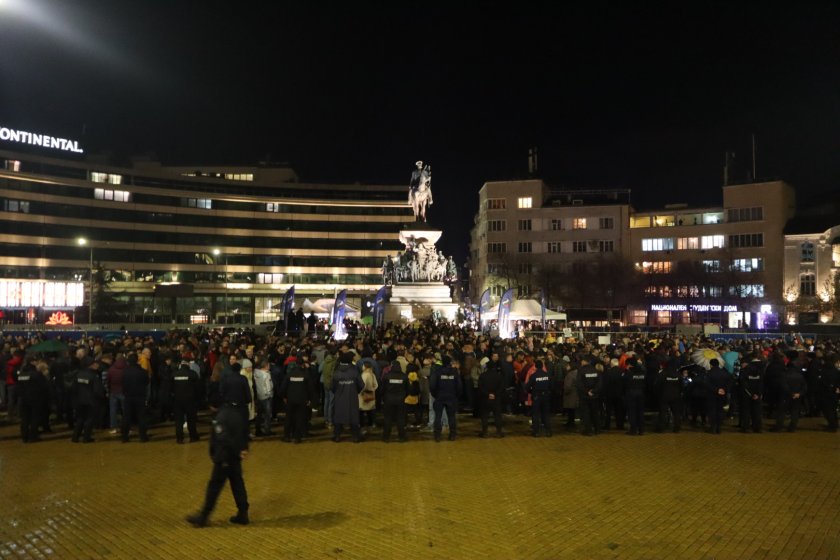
(811, 261)
(719, 264)
(174, 244)
(529, 236)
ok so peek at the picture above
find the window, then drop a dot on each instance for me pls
(684, 243)
(497, 225)
(525, 268)
(808, 284)
(269, 278)
(711, 242)
(711, 266)
(660, 267)
(496, 247)
(578, 223)
(747, 290)
(553, 246)
(13, 165)
(606, 223)
(524, 246)
(658, 244)
(556, 224)
(110, 178)
(807, 252)
(688, 291)
(205, 203)
(639, 221)
(498, 291)
(605, 246)
(107, 194)
(578, 246)
(524, 225)
(746, 240)
(239, 176)
(523, 291)
(748, 265)
(272, 206)
(525, 202)
(714, 291)
(745, 214)
(495, 203)
(494, 268)
(638, 317)
(16, 206)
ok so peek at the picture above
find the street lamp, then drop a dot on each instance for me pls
(82, 242)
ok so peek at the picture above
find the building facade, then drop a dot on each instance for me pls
(530, 237)
(181, 244)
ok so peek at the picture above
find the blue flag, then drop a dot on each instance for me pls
(339, 309)
(288, 305)
(542, 308)
(483, 303)
(379, 307)
(504, 314)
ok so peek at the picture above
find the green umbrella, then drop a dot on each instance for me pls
(51, 345)
(367, 320)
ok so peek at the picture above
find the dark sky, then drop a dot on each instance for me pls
(648, 98)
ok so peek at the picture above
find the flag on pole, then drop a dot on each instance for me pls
(483, 304)
(288, 306)
(504, 314)
(542, 308)
(339, 308)
(379, 307)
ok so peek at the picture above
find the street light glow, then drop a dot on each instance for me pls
(217, 252)
(81, 241)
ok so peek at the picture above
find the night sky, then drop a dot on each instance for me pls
(647, 98)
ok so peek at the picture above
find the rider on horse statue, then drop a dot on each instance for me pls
(420, 190)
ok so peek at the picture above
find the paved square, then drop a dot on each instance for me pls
(689, 495)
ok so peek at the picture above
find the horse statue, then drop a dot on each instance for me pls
(420, 191)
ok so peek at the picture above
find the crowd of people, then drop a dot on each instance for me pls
(414, 377)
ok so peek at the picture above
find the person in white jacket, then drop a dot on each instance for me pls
(265, 393)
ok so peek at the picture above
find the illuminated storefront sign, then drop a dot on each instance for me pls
(43, 140)
(699, 307)
(59, 318)
(34, 293)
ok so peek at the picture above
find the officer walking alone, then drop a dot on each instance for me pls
(186, 389)
(228, 448)
(491, 389)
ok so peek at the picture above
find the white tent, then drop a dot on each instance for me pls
(324, 307)
(524, 310)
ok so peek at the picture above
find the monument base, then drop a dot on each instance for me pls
(420, 300)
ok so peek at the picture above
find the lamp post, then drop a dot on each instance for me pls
(82, 242)
(216, 253)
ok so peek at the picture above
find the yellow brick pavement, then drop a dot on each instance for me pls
(689, 495)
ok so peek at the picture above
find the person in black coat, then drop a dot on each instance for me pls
(793, 389)
(445, 385)
(669, 384)
(34, 397)
(297, 392)
(234, 392)
(395, 387)
(612, 395)
(719, 382)
(186, 392)
(135, 385)
(491, 388)
(228, 448)
(539, 387)
(828, 386)
(752, 394)
(88, 391)
(589, 386)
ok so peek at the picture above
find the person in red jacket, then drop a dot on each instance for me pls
(12, 367)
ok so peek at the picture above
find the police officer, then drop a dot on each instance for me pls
(613, 395)
(719, 382)
(445, 386)
(297, 393)
(828, 385)
(396, 386)
(186, 390)
(87, 392)
(539, 386)
(33, 394)
(669, 389)
(589, 384)
(634, 394)
(491, 388)
(135, 385)
(234, 392)
(793, 391)
(752, 394)
(228, 448)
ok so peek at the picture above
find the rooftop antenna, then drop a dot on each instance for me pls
(532, 161)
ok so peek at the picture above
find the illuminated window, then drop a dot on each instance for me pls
(496, 204)
(107, 194)
(524, 225)
(639, 221)
(638, 317)
(658, 267)
(684, 243)
(711, 266)
(239, 176)
(748, 290)
(16, 206)
(553, 246)
(711, 242)
(269, 278)
(578, 223)
(606, 223)
(748, 265)
(204, 203)
(13, 165)
(524, 202)
(110, 178)
(658, 244)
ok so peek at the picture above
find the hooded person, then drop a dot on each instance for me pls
(346, 385)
